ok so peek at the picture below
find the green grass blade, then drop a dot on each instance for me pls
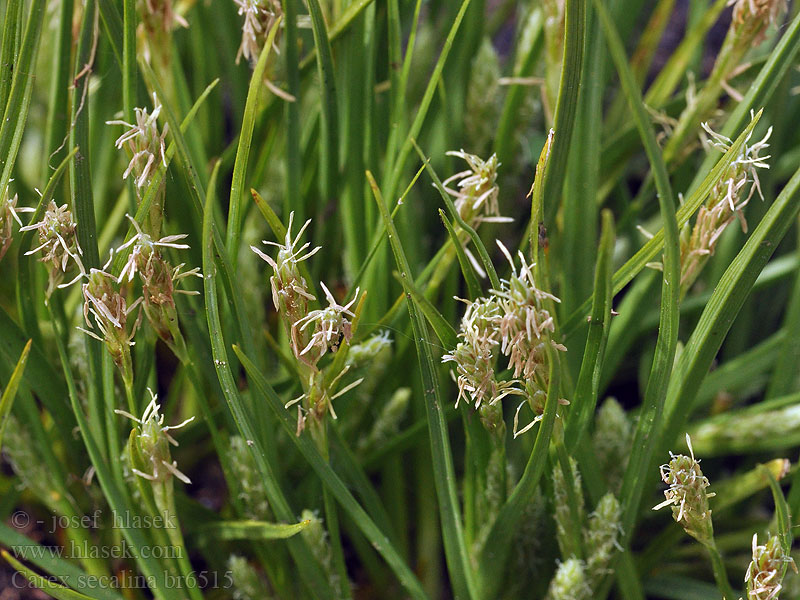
(294, 167)
(441, 326)
(8, 49)
(763, 87)
(67, 572)
(782, 515)
(467, 270)
(19, 97)
(722, 308)
(308, 566)
(652, 408)
(249, 530)
(504, 140)
(235, 214)
(566, 105)
(653, 246)
(306, 446)
(496, 550)
(473, 235)
(10, 392)
(329, 147)
(587, 387)
(396, 170)
(113, 25)
(461, 573)
(59, 592)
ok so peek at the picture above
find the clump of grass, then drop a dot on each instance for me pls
(440, 373)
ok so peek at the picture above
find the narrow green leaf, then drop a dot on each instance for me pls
(329, 148)
(467, 270)
(243, 149)
(652, 407)
(396, 170)
(49, 562)
(587, 387)
(498, 545)
(53, 589)
(7, 399)
(307, 448)
(566, 105)
(249, 530)
(653, 246)
(441, 326)
(473, 235)
(782, 515)
(722, 308)
(18, 103)
(458, 563)
(307, 565)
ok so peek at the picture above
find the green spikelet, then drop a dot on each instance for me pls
(569, 582)
(387, 422)
(568, 500)
(482, 98)
(612, 439)
(245, 474)
(247, 584)
(600, 538)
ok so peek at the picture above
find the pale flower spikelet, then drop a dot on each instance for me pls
(159, 280)
(688, 496)
(751, 18)
(259, 17)
(476, 194)
(290, 292)
(145, 142)
(765, 573)
(9, 212)
(331, 326)
(728, 198)
(58, 243)
(109, 310)
(150, 442)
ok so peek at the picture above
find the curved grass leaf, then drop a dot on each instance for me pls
(642, 448)
(458, 563)
(653, 246)
(249, 530)
(10, 392)
(467, 270)
(307, 565)
(722, 308)
(307, 448)
(566, 105)
(243, 149)
(587, 387)
(59, 592)
(19, 97)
